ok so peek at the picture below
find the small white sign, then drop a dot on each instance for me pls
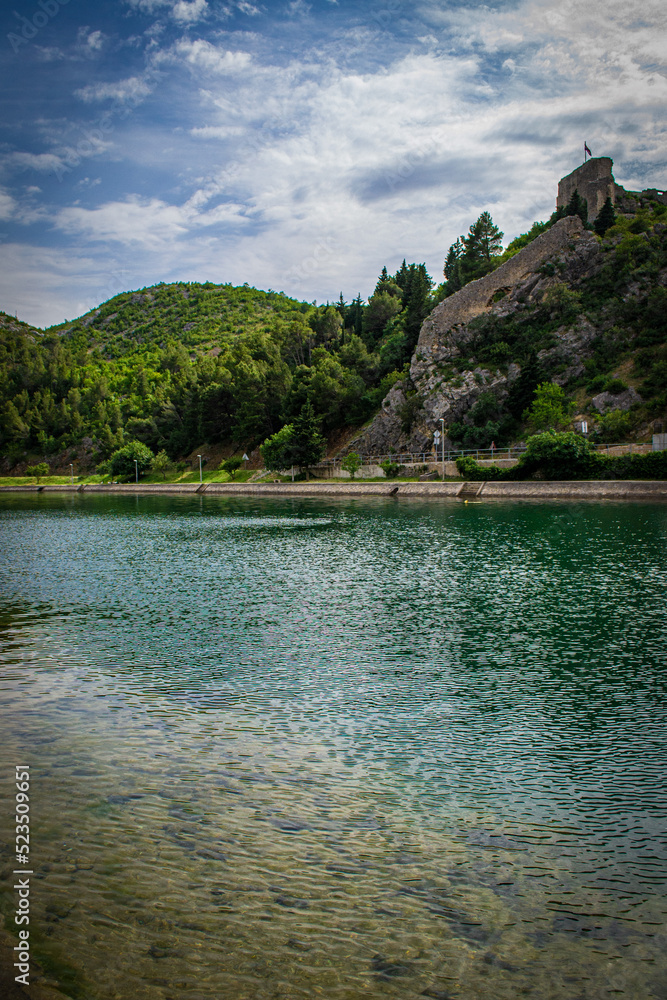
(245, 457)
(436, 436)
(584, 427)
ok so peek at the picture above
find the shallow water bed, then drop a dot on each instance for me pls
(296, 749)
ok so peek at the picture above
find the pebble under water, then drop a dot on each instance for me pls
(341, 749)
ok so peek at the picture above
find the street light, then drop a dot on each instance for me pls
(136, 471)
(442, 438)
(71, 465)
(200, 477)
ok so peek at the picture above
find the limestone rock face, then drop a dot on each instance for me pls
(620, 401)
(438, 386)
(518, 278)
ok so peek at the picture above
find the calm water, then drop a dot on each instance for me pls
(294, 749)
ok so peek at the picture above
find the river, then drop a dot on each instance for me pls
(349, 748)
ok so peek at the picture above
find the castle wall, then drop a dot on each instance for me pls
(477, 296)
(594, 181)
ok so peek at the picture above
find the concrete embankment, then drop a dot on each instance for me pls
(616, 489)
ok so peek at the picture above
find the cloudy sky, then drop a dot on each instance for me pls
(301, 145)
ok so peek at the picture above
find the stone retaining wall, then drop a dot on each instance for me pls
(615, 489)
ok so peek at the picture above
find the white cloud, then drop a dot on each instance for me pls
(188, 12)
(89, 43)
(43, 162)
(202, 55)
(182, 11)
(7, 206)
(298, 8)
(309, 176)
(149, 223)
(130, 90)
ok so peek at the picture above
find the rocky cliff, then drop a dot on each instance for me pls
(444, 381)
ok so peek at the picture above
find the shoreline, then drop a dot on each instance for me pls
(584, 489)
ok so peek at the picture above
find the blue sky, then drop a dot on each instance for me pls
(297, 145)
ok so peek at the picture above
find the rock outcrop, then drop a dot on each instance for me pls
(440, 386)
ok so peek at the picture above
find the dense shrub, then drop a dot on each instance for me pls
(568, 456)
(390, 469)
(121, 463)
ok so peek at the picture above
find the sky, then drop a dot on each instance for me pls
(300, 146)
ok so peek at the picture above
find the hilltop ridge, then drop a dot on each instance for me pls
(189, 366)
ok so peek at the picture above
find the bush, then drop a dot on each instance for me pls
(614, 425)
(162, 464)
(555, 455)
(351, 463)
(122, 465)
(568, 456)
(615, 386)
(231, 465)
(651, 466)
(390, 469)
(549, 409)
(39, 470)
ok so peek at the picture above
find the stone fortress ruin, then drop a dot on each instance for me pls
(522, 279)
(595, 182)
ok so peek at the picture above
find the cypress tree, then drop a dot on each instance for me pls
(521, 392)
(577, 206)
(606, 218)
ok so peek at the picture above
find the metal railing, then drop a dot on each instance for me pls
(424, 457)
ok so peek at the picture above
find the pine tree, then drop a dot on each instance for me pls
(484, 240)
(402, 275)
(454, 254)
(307, 444)
(577, 206)
(606, 218)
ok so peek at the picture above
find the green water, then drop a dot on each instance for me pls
(287, 749)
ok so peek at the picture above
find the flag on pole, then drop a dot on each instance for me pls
(586, 150)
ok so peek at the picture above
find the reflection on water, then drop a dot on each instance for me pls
(296, 749)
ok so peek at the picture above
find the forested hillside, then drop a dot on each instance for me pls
(177, 365)
(182, 365)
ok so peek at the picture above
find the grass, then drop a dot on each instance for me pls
(215, 476)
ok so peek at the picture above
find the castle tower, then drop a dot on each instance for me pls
(594, 181)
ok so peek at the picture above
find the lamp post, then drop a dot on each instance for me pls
(136, 471)
(200, 475)
(71, 466)
(442, 438)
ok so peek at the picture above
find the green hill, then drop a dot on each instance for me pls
(181, 365)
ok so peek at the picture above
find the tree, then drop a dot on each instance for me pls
(277, 451)
(454, 254)
(577, 206)
(351, 463)
(484, 239)
(39, 470)
(382, 307)
(231, 465)
(416, 302)
(606, 218)
(520, 395)
(559, 456)
(550, 409)
(121, 463)
(162, 464)
(307, 442)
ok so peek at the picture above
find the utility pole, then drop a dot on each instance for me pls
(442, 438)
